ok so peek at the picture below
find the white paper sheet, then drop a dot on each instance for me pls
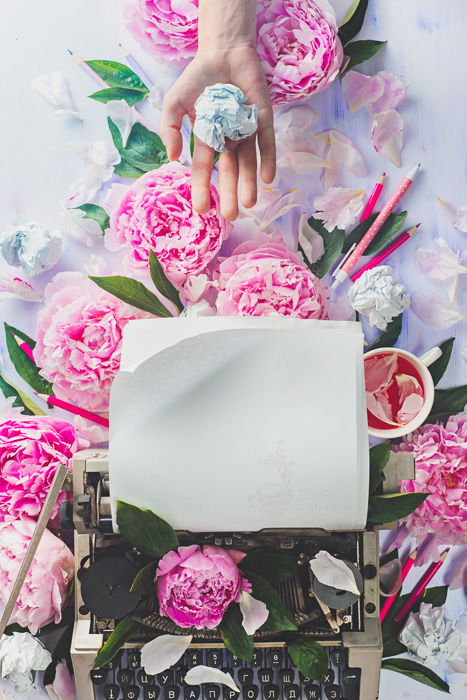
(241, 423)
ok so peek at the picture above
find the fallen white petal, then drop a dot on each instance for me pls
(206, 674)
(443, 264)
(272, 204)
(164, 651)
(436, 312)
(333, 572)
(339, 206)
(386, 135)
(53, 87)
(456, 215)
(123, 116)
(340, 153)
(310, 241)
(255, 613)
(99, 157)
(301, 162)
(390, 576)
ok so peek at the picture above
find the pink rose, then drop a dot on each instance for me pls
(195, 585)
(298, 46)
(267, 279)
(46, 587)
(31, 449)
(155, 212)
(440, 453)
(79, 337)
(62, 687)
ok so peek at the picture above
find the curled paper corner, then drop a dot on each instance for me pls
(333, 572)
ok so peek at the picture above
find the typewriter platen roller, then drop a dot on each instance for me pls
(350, 634)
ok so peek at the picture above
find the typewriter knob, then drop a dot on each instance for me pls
(369, 571)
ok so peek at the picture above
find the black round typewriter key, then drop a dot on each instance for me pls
(144, 678)
(125, 676)
(257, 658)
(337, 657)
(250, 692)
(214, 657)
(192, 692)
(287, 675)
(180, 674)
(211, 691)
(151, 693)
(233, 660)
(312, 691)
(99, 675)
(131, 692)
(165, 678)
(271, 692)
(351, 676)
(134, 659)
(332, 692)
(229, 693)
(194, 657)
(328, 677)
(171, 692)
(265, 675)
(304, 679)
(292, 692)
(369, 571)
(111, 692)
(245, 676)
(276, 658)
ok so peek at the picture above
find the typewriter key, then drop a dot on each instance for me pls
(165, 678)
(313, 692)
(211, 691)
(332, 692)
(287, 676)
(214, 658)
(134, 659)
(337, 658)
(245, 676)
(171, 692)
(250, 692)
(151, 693)
(271, 692)
(125, 676)
(329, 676)
(257, 658)
(276, 658)
(145, 679)
(111, 692)
(266, 675)
(229, 693)
(131, 692)
(192, 692)
(99, 675)
(292, 692)
(194, 657)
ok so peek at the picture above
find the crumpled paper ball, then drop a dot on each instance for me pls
(20, 655)
(221, 113)
(32, 247)
(378, 296)
(431, 637)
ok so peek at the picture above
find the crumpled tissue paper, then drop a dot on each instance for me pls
(221, 113)
(431, 637)
(33, 247)
(20, 655)
(378, 296)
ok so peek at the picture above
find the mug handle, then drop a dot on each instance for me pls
(431, 356)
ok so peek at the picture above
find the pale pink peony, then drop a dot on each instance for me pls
(31, 449)
(264, 278)
(168, 29)
(440, 453)
(63, 687)
(195, 585)
(155, 212)
(46, 586)
(79, 337)
(298, 46)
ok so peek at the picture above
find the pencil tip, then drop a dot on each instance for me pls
(70, 52)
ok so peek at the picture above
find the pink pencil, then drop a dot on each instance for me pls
(27, 349)
(343, 273)
(397, 242)
(87, 69)
(74, 409)
(405, 570)
(421, 585)
(373, 198)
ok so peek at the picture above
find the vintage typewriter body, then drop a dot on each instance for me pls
(351, 635)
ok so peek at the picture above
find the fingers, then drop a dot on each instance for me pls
(267, 144)
(171, 123)
(228, 184)
(201, 171)
(246, 153)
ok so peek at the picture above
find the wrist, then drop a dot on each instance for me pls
(226, 24)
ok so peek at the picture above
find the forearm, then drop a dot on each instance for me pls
(224, 24)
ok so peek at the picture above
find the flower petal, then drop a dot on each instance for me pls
(333, 572)
(386, 135)
(53, 87)
(123, 117)
(16, 288)
(309, 240)
(272, 204)
(164, 651)
(441, 264)
(341, 154)
(255, 613)
(339, 206)
(361, 90)
(456, 215)
(394, 91)
(206, 674)
(301, 162)
(435, 312)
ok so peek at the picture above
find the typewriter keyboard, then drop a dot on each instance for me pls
(269, 676)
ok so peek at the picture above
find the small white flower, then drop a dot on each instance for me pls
(20, 655)
(32, 247)
(53, 87)
(339, 206)
(99, 157)
(378, 296)
(431, 637)
(123, 116)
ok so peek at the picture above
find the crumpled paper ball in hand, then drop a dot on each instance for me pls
(32, 247)
(378, 296)
(221, 113)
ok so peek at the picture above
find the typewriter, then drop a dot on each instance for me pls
(348, 630)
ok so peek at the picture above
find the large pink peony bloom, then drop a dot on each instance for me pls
(267, 279)
(440, 453)
(196, 586)
(155, 212)
(45, 589)
(31, 449)
(79, 336)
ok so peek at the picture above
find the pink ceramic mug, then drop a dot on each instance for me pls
(420, 365)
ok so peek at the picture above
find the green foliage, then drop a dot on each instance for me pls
(391, 226)
(146, 531)
(360, 51)
(121, 634)
(97, 213)
(354, 23)
(162, 284)
(124, 83)
(438, 368)
(309, 657)
(26, 368)
(233, 634)
(273, 566)
(143, 151)
(393, 506)
(21, 400)
(333, 243)
(389, 337)
(419, 673)
(448, 402)
(379, 457)
(134, 293)
(280, 618)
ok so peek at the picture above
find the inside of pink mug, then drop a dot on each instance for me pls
(395, 391)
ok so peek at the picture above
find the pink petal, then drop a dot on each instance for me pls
(410, 407)
(301, 162)
(378, 404)
(254, 612)
(386, 135)
(341, 154)
(459, 576)
(435, 312)
(394, 91)
(379, 371)
(361, 90)
(311, 241)
(456, 215)
(16, 288)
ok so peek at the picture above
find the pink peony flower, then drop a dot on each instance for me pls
(298, 46)
(79, 336)
(267, 279)
(62, 687)
(195, 585)
(45, 589)
(155, 212)
(440, 453)
(31, 449)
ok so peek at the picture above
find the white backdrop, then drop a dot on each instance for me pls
(426, 48)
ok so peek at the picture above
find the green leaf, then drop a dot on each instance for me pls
(447, 403)
(134, 293)
(352, 26)
(417, 672)
(379, 457)
(144, 580)
(391, 226)
(309, 657)
(388, 338)
(273, 566)
(438, 368)
(393, 506)
(162, 284)
(145, 530)
(93, 211)
(280, 617)
(391, 629)
(26, 368)
(144, 149)
(333, 242)
(124, 169)
(121, 634)
(360, 51)
(130, 96)
(22, 400)
(233, 634)
(393, 647)
(117, 75)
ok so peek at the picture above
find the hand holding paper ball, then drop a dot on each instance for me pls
(221, 113)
